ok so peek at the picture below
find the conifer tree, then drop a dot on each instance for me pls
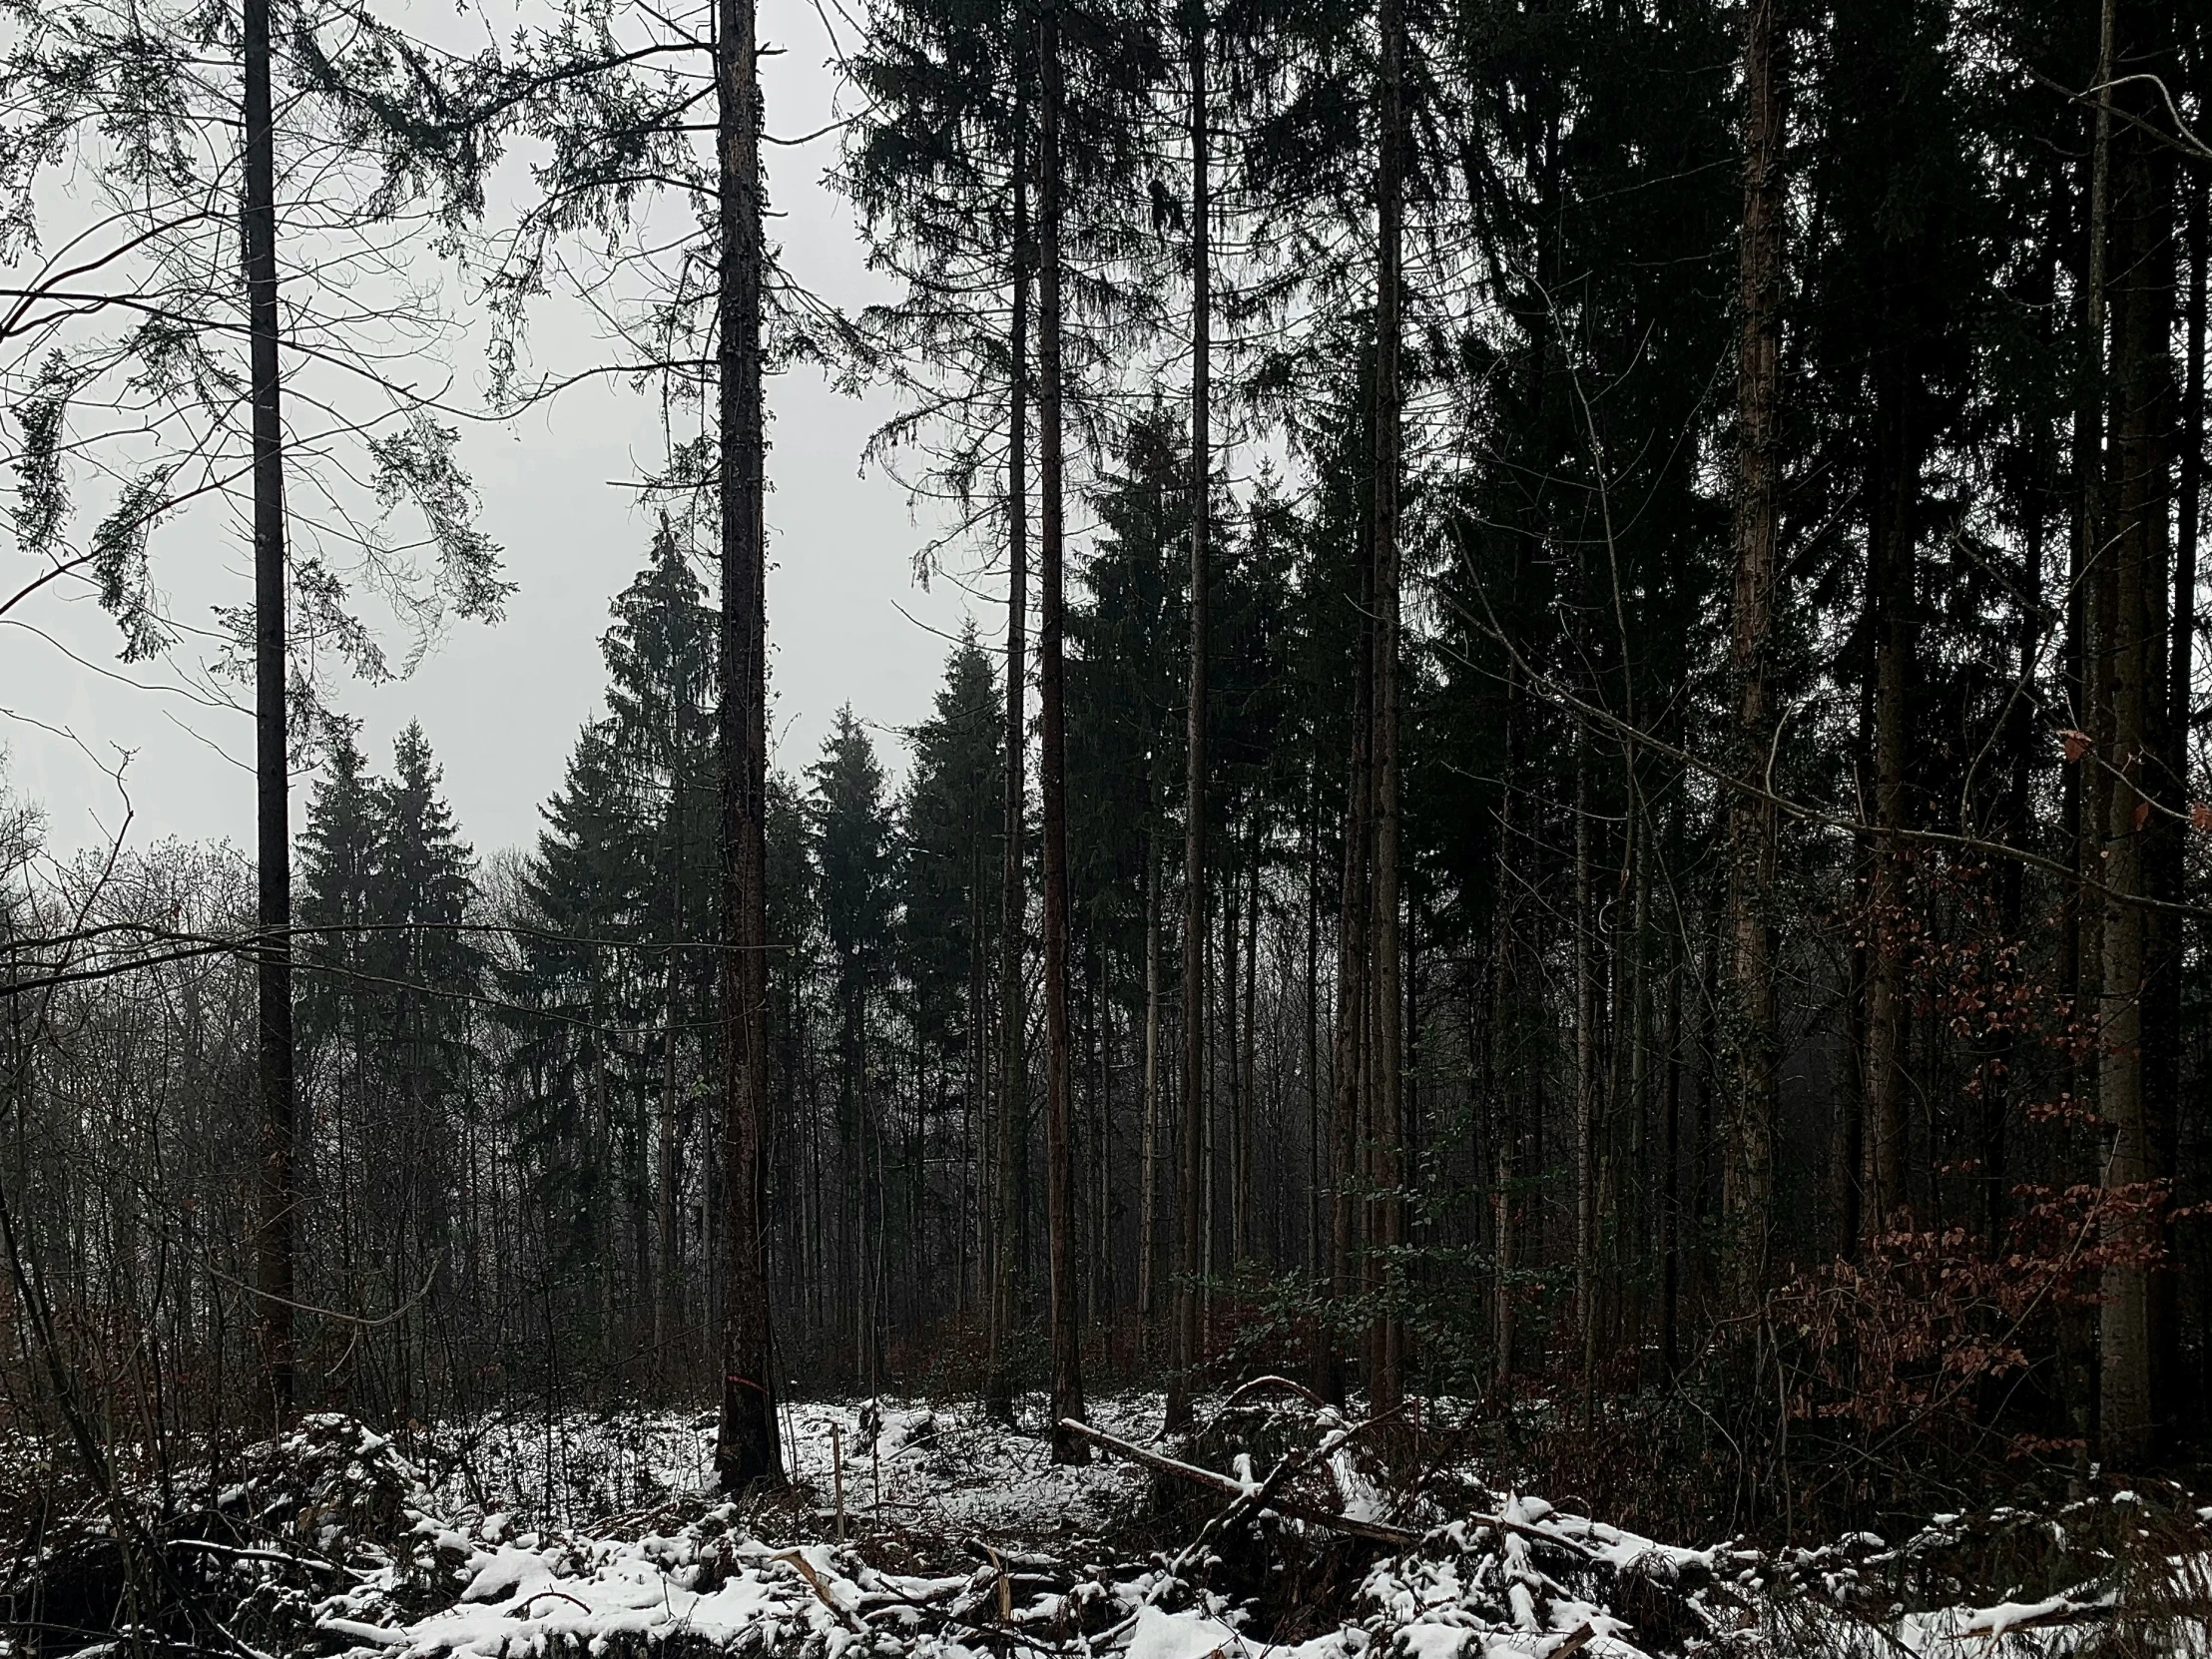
(849, 820)
(948, 887)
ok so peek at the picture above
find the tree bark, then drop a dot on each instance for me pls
(1754, 1040)
(667, 1282)
(1890, 592)
(274, 1245)
(1314, 1130)
(1386, 1386)
(2168, 1035)
(1067, 1375)
(1232, 1042)
(1249, 1091)
(2188, 520)
(1102, 1146)
(747, 1452)
(2086, 784)
(1584, 991)
(2020, 727)
(1014, 1093)
(1190, 1174)
(1670, 1177)
(975, 1111)
(2130, 646)
(1348, 1041)
(1148, 1153)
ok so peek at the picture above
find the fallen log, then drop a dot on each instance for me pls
(1396, 1538)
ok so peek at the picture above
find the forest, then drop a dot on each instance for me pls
(1568, 848)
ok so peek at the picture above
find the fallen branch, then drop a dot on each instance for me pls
(1396, 1538)
(805, 1569)
(275, 1558)
(1540, 1534)
(521, 1607)
(1263, 1495)
(1995, 1623)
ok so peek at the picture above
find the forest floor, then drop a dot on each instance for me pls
(1274, 1532)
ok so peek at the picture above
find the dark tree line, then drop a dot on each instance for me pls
(1590, 784)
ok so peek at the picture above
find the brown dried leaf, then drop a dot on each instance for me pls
(2077, 743)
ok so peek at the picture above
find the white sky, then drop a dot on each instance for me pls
(501, 706)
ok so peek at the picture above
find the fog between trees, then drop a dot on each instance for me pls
(1586, 781)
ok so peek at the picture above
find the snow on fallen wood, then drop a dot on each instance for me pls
(2007, 1617)
(1159, 1635)
(968, 1544)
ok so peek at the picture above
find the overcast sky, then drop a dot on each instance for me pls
(502, 705)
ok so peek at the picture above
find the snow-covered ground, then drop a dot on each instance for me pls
(600, 1533)
(938, 1469)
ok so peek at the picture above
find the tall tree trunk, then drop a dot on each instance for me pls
(1102, 1144)
(1891, 585)
(1386, 1386)
(1632, 1075)
(666, 1284)
(1190, 1173)
(2188, 519)
(1670, 1176)
(1231, 1046)
(2086, 784)
(1148, 1151)
(746, 1450)
(1067, 1375)
(1754, 1040)
(2018, 826)
(2163, 1082)
(1585, 995)
(2130, 645)
(272, 1268)
(1248, 1090)
(1209, 1195)
(1505, 1027)
(1013, 1092)
(1348, 1041)
(1313, 1132)
(2022, 728)
(976, 1110)
(1893, 596)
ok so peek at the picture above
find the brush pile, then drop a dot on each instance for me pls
(1276, 1529)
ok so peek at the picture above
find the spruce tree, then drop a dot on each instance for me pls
(948, 880)
(849, 820)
